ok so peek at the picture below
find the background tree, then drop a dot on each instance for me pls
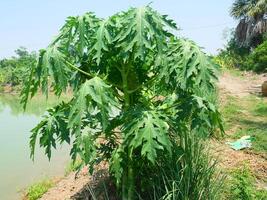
(139, 90)
(15, 69)
(252, 21)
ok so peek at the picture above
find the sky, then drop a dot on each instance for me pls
(33, 23)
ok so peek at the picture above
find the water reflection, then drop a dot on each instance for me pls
(16, 169)
(37, 106)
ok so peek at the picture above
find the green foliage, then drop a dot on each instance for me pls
(149, 132)
(260, 108)
(232, 55)
(252, 27)
(244, 58)
(257, 60)
(242, 186)
(13, 71)
(187, 72)
(137, 89)
(190, 173)
(251, 8)
(37, 190)
(248, 35)
(73, 166)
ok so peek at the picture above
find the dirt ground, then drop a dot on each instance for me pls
(238, 86)
(67, 187)
(241, 85)
(78, 185)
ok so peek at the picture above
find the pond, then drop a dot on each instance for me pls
(17, 170)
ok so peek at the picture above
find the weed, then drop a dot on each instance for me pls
(230, 111)
(37, 190)
(261, 109)
(243, 186)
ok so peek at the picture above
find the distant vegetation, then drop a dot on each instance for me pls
(14, 70)
(37, 105)
(246, 48)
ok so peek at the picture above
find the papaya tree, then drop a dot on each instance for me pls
(137, 87)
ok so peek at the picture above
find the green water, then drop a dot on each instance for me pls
(17, 171)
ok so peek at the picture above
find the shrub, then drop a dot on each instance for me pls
(13, 71)
(233, 55)
(257, 60)
(137, 89)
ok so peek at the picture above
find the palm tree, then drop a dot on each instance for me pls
(252, 16)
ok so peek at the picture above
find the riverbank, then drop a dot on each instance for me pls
(74, 185)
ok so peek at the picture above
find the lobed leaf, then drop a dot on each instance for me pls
(53, 127)
(188, 68)
(148, 131)
(96, 95)
(143, 30)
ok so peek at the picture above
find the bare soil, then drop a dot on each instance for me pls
(80, 186)
(245, 84)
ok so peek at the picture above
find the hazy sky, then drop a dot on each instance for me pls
(32, 23)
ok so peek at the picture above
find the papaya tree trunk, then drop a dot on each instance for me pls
(128, 176)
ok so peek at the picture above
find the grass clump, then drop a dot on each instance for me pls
(234, 72)
(191, 173)
(261, 109)
(37, 190)
(242, 186)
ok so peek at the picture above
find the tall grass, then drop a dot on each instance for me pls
(190, 174)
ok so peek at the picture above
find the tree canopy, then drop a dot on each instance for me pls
(15, 69)
(252, 21)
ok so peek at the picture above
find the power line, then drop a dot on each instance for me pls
(206, 27)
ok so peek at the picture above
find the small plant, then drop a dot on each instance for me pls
(242, 184)
(37, 190)
(138, 88)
